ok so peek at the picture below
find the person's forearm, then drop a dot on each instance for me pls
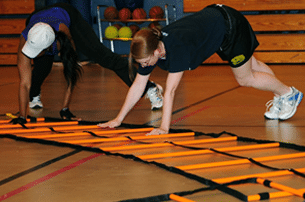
(133, 96)
(173, 80)
(167, 110)
(23, 100)
(25, 74)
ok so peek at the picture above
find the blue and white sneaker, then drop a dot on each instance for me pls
(155, 96)
(289, 104)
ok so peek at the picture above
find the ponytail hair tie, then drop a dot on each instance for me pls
(157, 32)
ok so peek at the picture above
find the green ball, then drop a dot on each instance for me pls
(125, 32)
(111, 32)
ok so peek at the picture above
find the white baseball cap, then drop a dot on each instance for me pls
(40, 37)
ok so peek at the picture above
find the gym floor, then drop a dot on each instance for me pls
(208, 101)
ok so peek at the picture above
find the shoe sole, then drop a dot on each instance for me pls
(295, 109)
(156, 108)
(270, 118)
(36, 107)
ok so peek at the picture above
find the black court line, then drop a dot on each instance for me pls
(6, 84)
(194, 104)
(21, 174)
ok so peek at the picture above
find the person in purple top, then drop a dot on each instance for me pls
(60, 29)
(183, 45)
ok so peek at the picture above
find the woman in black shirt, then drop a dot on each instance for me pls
(186, 43)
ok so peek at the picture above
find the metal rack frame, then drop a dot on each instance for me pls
(100, 29)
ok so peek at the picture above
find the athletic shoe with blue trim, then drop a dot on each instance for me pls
(290, 103)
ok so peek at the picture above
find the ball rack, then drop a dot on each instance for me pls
(100, 21)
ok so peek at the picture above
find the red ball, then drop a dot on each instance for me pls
(118, 26)
(134, 28)
(124, 14)
(156, 12)
(111, 13)
(139, 13)
(154, 25)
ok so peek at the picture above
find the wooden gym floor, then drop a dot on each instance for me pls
(208, 100)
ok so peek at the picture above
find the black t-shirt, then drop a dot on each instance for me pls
(190, 41)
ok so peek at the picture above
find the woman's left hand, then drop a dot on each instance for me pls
(158, 131)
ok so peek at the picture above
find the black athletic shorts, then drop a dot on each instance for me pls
(239, 41)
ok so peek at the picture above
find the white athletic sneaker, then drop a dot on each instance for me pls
(289, 104)
(273, 109)
(36, 103)
(155, 96)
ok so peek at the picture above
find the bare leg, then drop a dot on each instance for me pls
(258, 75)
(259, 66)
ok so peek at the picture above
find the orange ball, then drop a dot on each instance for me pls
(154, 25)
(111, 13)
(139, 13)
(118, 26)
(134, 28)
(124, 14)
(156, 12)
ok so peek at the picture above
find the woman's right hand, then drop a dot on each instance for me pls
(110, 124)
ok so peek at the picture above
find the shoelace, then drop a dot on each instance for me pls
(275, 104)
(286, 102)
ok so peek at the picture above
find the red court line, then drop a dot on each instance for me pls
(47, 177)
(190, 114)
